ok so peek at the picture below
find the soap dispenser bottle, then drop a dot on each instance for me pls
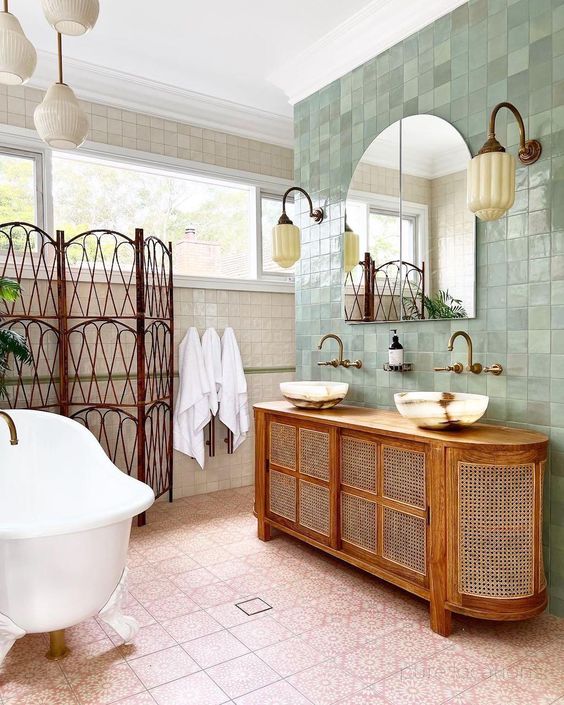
(395, 351)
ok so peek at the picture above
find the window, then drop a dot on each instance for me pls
(271, 208)
(377, 222)
(20, 192)
(215, 221)
(208, 221)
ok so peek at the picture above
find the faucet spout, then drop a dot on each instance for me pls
(471, 366)
(11, 426)
(339, 343)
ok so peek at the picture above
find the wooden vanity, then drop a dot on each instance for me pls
(454, 517)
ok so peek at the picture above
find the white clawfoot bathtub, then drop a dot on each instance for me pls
(65, 519)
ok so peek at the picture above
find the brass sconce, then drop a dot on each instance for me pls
(351, 248)
(286, 245)
(491, 173)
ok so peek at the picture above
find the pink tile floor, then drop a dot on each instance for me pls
(334, 635)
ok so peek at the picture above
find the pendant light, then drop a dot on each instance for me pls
(72, 17)
(59, 119)
(286, 245)
(351, 248)
(18, 57)
(491, 174)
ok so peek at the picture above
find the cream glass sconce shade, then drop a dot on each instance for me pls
(286, 241)
(351, 249)
(491, 173)
(59, 119)
(72, 17)
(18, 57)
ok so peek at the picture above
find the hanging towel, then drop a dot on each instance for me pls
(192, 411)
(233, 402)
(211, 349)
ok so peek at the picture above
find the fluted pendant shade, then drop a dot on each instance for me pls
(59, 119)
(286, 247)
(351, 250)
(491, 184)
(73, 17)
(17, 54)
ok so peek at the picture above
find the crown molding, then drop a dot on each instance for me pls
(364, 35)
(130, 92)
(417, 162)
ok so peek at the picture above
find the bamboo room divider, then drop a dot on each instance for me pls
(97, 311)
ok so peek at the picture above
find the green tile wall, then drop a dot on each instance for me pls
(456, 68)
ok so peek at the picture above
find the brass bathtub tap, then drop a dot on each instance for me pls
(12, 426)
(337, 362)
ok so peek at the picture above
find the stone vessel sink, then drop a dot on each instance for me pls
(441, 410)
(314, 395)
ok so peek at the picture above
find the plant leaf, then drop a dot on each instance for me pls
(9, 289)
(12, 343)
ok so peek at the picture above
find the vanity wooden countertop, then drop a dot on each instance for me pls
(387, 422)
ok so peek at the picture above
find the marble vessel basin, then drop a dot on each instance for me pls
(441, 410)
(314, 395)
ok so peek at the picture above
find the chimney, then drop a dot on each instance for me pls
(190, 234)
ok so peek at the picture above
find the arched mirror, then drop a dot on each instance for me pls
(416, 236)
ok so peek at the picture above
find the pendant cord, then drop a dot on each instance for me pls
(60, 53)
(5, 5)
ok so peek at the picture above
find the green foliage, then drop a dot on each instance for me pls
(11, 343)
(440, 305)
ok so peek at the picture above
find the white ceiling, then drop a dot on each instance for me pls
(431, 147)
(232, 65)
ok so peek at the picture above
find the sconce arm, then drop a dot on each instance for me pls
(317, 214)
(529, 150)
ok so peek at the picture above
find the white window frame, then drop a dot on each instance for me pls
(27, 141)
(279, 276)
(391, 204)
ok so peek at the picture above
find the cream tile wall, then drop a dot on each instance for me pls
(147, 133)
(263, 322)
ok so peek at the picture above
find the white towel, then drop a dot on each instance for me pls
(233, 402)
(211, 349)
(192, 410)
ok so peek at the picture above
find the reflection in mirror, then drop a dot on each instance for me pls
(407, 203)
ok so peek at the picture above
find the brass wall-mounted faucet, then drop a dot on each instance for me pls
(471, 366)
(337, 362)
(12, 426)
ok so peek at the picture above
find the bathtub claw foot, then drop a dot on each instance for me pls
(9, 634)
(112, 612)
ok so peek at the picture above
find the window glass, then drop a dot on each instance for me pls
(208, 221)
(18, 197)
(271, 208)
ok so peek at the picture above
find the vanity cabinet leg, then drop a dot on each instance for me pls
(441, 622)
(264, 530)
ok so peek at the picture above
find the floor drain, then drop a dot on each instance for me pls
(253, 606)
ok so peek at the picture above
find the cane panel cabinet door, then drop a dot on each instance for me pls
(301, 478)
(383, 503)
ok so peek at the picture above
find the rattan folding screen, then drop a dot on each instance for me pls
(97, 310)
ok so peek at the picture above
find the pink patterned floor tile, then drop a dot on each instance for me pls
(139, 699)
(101, 687)
(214, 648)
(411, 687)
(28, 648)
(232, 568)
(261, 633)
(213, 595)
(174, 566)
(335, 639)
(197, 689)
(62, 695)
(210, 556)
(163, 666)
(291, 656)
(242, 675)
(365, 697)
(325, 684)
(192, 579)
(164, 551)
(229, 615)
(280, 693)
(301, 619)
(28, 678)
(502, 691)
(191, 626)
(171, 606)
(84, 633)
(90, 657)
(147, 641)
(153, 589)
